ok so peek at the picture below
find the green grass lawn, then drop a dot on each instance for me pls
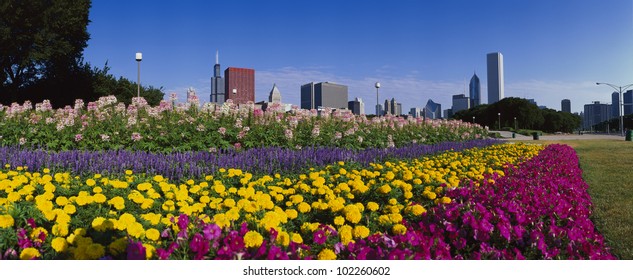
(608, 169)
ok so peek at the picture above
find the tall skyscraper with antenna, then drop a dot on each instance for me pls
(217, 83)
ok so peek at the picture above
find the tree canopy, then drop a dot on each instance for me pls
(527, 114)
(41, 56)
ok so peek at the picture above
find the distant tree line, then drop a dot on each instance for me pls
(41, 49)
(527, 114)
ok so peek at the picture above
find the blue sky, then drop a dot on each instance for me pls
(416, 49)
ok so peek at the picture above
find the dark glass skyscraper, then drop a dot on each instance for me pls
(628, 102)
(217, 83)
(565, 106)
(615, 105)
(475, 91)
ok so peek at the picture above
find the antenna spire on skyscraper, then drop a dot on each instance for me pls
(217, 57)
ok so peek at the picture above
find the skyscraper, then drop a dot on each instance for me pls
(615, 105)
(565, 105)
(275, 95)
(217, 83)
(460, 102)
(356, 106)
(324, 94)
(628, 102)
(595, 113)
(495, 77)
(433, 110)
(240, 85)
(475, 91)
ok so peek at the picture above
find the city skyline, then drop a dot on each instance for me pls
(416, 50)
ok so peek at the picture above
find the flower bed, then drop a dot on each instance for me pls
(196, 165)
(108, 125)
(234, 214)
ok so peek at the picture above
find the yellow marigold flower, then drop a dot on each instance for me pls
(445, 200)
(144, 186)
(45, 170)
(90, 182)
(29, 254)
(326, 254)
(14, 197)
(6, 221)
(430, 195)
(352, 214)
(127, 218)
(70, 209)
(98, 224)
(384, 189)
(296, 238)
(95, 251)
(97, 190)
(252, 239)
(60, 229)
(152, 234)
(291, 213)
(158, 178)
(345, 234)
(304, 207)
(361, 231)
(372, 206)
(118, 246)
(118, 202)
(59, 244)
(417, 210)
(229, 203)
(128, 172)
(99, 198)
(135, 230)
(399, 229)
(395, 218)
(283, 238)
(149, 251)
(339, 220)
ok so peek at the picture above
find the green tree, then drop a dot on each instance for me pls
(104, 84)
(41, 40)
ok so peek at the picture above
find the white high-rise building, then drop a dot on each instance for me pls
(495, 77)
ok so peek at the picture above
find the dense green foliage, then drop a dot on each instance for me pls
(520, 113)
(41, 46)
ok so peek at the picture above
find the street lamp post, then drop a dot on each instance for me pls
(515, 123)
(499, 117)
(473, 119)
(377, 85)
(139, 57)
(621, 104)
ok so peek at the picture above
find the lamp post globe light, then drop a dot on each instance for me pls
(139, 57)
(621, 104)
(499, 119)
(377, 85)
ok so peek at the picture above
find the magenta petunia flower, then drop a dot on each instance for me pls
(135, 250)
(319, 237)
(211, 231)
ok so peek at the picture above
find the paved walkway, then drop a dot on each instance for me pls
(555, 137)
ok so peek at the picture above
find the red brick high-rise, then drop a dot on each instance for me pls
(239, 84)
